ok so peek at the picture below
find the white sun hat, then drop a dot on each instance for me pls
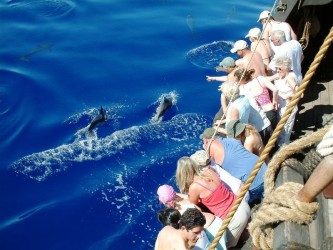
(255, 32)
(263, 15)
(239, 45)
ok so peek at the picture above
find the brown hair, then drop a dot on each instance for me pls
(250, 130)
(247, 75)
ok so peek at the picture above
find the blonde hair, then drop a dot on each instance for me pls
(187, 169)
(230, 90)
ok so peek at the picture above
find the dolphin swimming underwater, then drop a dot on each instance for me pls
(38, 49)
(100, 118)
(165, 104)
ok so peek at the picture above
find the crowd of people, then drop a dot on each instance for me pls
(255, 93)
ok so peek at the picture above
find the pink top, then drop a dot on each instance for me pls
(264, 97)
(220, 201)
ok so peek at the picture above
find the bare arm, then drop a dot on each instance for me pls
(217, 78)
(272, 77)
(194, 194)
(216, 152)
(234, 114)
(267, 31)
(184, 196)
(272, 88)
(224, 103)
(291, 80)
(324, 173)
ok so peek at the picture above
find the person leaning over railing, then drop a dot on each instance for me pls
(190, 226)
(171, 199)
(205, 187)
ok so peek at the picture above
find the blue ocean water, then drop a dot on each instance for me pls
(61, 60)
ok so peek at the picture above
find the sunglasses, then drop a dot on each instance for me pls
(274, 40)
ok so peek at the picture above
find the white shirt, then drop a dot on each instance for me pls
(231, 182)
(282, 26)
(293, 50)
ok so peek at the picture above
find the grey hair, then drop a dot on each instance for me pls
(279, 35)
(230, 90)
(284, 61)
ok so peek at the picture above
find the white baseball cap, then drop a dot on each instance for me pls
(239, 45)
(263, 15)
(255, 32)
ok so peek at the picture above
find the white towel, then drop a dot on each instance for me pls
(325, 147)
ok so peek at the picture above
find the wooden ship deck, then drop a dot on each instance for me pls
(315, 112)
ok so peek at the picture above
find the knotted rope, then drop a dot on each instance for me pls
(311, 27)
(285, 152)
(279, 205)
(271, 143)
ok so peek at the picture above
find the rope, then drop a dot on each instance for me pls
(271, 143)
(311, 26)
(287, 151)
(280, 205)
(304, 40)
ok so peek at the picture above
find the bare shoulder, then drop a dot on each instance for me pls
(291, 78)
(165, 230)
(194, 188)
(169, 238)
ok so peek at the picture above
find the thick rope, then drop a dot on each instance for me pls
(280, 205)
(287, 151)
(271, 143)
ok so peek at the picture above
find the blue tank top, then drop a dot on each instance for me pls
(239, 162)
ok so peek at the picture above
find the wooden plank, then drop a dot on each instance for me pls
(288, 235)
(317, 228)
(315, 109)
(287, 174)
(330, 215)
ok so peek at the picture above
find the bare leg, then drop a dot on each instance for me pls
(321, 177)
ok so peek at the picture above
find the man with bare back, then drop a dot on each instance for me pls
(255, 62)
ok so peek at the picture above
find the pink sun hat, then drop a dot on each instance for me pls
(166, 194)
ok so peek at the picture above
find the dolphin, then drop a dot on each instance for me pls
(165, 104)
(100, 118)
(38, 49)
